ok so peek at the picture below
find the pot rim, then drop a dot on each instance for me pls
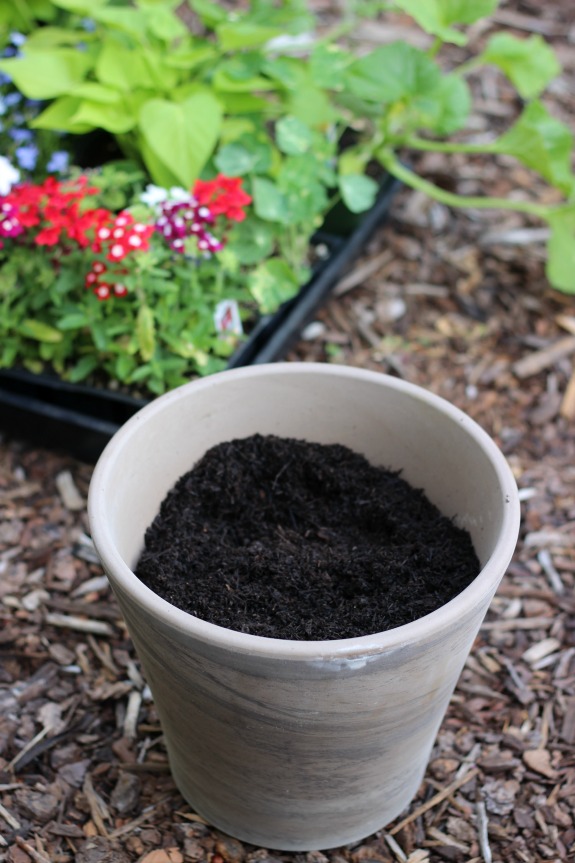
(346, 648)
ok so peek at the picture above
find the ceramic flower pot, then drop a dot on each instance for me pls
(287, 744)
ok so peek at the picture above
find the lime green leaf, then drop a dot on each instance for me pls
(182, 136)
(47, 74)
(145, 333)
(530, 64)
(236, 35)
(543, 144)
(392, 73)
(97, 115)
(60, 115)
(82, 7)
(40, 332)
(50, 37)
(163, 23)
(438, 16)
(358, 192)
(293, 137)
(129, 21)
(209, 13)
(561, 249)
(270, 203)
(97, 93)
(121, 67)
(272, 284)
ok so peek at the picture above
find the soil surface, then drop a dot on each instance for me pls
(289, 539)
(456, 301)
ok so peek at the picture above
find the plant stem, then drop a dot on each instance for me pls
(392, 164)
(416, 143)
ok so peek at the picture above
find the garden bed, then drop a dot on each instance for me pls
(81, 419)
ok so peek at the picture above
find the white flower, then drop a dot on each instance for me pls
(293, 46)
(153, 196)
(9, 175)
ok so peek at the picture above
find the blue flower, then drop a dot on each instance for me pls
(59, 161)
(12, 99)
(21, 135)
(27, 156)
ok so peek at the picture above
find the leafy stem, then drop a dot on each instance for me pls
(392, 164)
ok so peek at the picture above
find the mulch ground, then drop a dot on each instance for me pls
(456, 302)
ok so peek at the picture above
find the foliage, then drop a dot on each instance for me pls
(130, 294)
(253, 95)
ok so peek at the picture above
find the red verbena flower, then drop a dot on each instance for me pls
(224, 196)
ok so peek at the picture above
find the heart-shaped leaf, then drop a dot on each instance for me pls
(182, 135)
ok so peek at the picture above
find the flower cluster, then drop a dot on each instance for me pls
(64, 215)
(186, 215)
(224, 196)
(54, 207)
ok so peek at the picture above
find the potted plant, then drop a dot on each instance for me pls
(289, 744)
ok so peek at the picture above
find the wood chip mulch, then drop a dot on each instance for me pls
(456, 302)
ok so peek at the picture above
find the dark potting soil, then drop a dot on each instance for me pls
(289, 539)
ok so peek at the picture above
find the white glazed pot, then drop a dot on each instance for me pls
(288, 744)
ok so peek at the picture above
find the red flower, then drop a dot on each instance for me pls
(224, 196)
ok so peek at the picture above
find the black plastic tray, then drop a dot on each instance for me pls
(80, 420)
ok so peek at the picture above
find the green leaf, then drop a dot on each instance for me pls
(145, 333)
(543, 144)
(182, 136)
(61, 116)
(447, 109)
(358, 192)
(163, 23)
(122, 67)
(46, 74)
(530, 64)
(561, 249)
(437, 16)
(73, 321)
(40, 331)
(293, 137)
(327, 65)
(237, 35)
(98, 115)
(82, 369)
(251, 241)
(392, 73)
(272, 284)
(209, 13)
(270, 203)
(235, 160)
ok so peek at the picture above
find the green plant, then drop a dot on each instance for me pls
(230, 97)
(127, 296)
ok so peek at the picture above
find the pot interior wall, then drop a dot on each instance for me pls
(393, 427)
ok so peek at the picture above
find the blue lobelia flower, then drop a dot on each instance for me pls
(58, 162)
(27, 156)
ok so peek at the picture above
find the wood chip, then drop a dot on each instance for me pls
(544, 358)
(71, 497)
(80, 624)
(539, 760)
(540, 649)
